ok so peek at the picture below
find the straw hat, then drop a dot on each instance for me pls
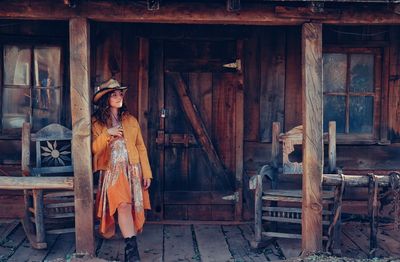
(106, 87)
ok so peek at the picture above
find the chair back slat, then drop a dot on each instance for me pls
(53, 150)
(291, 148)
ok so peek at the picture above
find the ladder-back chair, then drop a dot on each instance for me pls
(278, 209)
(47, 211)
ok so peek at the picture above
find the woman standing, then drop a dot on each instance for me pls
(119, 153)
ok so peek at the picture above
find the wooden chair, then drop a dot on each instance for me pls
(277, 206)
(47, 211)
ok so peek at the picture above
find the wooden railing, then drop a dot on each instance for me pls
(22, 183)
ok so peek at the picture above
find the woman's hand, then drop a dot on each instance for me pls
(146, 183)
(116, 131)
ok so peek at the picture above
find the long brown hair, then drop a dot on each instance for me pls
(103, 113)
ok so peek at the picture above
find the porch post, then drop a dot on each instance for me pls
(312, 137)
(81, 145)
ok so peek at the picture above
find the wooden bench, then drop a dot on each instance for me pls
(48, 184)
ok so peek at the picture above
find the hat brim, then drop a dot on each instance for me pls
(97, 96)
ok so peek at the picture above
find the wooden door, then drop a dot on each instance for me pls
(196, 133)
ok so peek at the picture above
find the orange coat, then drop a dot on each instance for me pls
(135, 146)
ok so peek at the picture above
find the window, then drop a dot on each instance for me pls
(31, 87)
(352, 93)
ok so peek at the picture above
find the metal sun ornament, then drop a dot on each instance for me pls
(53, 155)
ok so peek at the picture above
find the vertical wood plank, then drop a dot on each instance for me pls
(384, 96)
(25, 148)
(272, 87)
(156, 125)
(200, 85)
(258, 212)
(108, 52)
(130, 67)
(276, 131)
(239, 135)
(143, 87)
(293, 105)
(394, 84)
(81, 147)
(224, 106)
(372, 212)
(312, 137)
(252, 91)
(332, 146)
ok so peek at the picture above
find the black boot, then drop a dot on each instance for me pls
(131, 250)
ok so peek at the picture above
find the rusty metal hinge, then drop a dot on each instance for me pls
(235, 65)
(234, 197)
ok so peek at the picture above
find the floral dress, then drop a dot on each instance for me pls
(120, 183)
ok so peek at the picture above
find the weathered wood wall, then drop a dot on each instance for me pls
(272, 79)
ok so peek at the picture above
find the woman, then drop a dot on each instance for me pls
(120, 155)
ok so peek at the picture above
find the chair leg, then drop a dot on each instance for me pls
(39, 221)
(257, 213)
(373, 212)
(337, 238)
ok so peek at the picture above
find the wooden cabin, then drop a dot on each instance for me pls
(206, 81)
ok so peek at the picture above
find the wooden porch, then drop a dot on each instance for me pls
(194, 242)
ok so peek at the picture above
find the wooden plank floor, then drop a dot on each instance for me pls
(192, 243)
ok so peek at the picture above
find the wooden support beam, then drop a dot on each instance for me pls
(81, 142)
(313, 147)
(35, 182)
(195, 13)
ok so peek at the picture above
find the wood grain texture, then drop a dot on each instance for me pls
(200, 85)
(272, 86)
(178, 243)
(143, 87)
(211, 243)
(312, 137)
(198, 13)
(18, 183)
(26, 253)
(130, 68)
(156, 124)
(394, 84)
(293, 104)
(150, 243)
(252, 91)
(81, 143)
(239, 133)
(225, 87)
(108, 52)
(199, 128)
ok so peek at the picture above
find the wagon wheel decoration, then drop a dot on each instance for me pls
(54, 156)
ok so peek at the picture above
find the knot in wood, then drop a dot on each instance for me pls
(316, 207)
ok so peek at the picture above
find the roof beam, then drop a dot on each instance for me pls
(194, 13)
